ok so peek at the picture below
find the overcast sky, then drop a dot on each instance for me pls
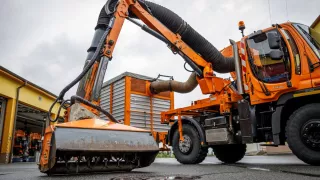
(46, 41)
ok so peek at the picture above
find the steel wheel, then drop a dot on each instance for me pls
(188, 151)
(310, 134)
(186, 145)
(303, 133)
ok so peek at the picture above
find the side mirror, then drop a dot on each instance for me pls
(276, 55)
(274, 40)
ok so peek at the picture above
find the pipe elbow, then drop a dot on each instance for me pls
(175, 86)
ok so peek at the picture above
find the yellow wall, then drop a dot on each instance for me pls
(317, 27)
(316, 24)
(30, 96)
(7, 130)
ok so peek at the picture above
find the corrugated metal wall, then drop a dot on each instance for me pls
(118, 99)
(143, 108)
(140, 111)
(105, 100)
(158, 106)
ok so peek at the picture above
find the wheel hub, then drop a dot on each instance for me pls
(186, 144)
(310, 134)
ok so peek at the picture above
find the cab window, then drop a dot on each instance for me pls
(263, 64)
(295, 51)
(310, 38)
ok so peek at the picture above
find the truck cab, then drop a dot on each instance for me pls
(280, 76)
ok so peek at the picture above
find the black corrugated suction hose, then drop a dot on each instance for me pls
(191, 37)
(176, 24)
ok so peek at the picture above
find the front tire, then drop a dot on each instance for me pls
(190, 150)
(230, 153)
(303, 134)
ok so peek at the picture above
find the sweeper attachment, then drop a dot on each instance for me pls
(94, 145)
(84, 143)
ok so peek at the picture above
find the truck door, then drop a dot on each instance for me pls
(270, 65)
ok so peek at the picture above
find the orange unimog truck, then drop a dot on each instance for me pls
(276, 99)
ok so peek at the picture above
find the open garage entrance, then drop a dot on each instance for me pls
(30, 127)
(30, 124)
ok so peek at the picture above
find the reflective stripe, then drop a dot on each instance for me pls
(243, 62)
(246, 87)
(242, 51)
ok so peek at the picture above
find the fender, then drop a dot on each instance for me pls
(187, 120)
(276, 117)
(281, 103)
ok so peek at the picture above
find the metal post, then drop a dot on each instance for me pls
(237, 66)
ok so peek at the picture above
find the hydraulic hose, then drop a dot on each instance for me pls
(190, 36)
(176, 86)
(102, 30)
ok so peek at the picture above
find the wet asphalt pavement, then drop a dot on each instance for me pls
(250, 167)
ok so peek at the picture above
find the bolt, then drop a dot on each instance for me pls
(318, 125)
(306, 129)
(313, 145)
(305, 135)
(311, 125)
(108, 52)
(308, 141)
(111, 42)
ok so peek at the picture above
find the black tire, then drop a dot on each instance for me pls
(146, 159)
(230, 153)
(294, 131)
(196, 153)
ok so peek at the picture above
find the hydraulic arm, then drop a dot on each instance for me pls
(85, 143)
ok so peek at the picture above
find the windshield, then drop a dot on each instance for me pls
(305, 33)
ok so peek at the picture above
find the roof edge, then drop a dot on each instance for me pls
(24, 80)
(315, 22)
(130, 74)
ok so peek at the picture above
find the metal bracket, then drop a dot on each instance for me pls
(160, 75)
